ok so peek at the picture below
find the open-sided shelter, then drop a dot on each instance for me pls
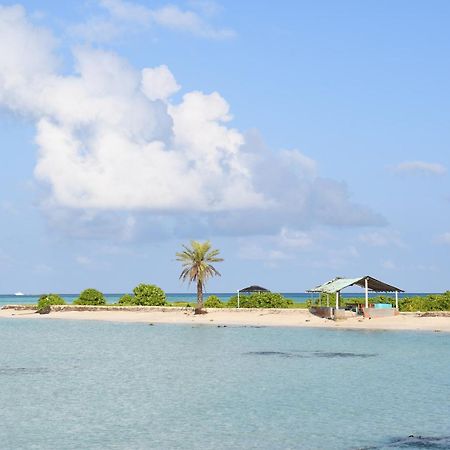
(249, 290)
(367, 282)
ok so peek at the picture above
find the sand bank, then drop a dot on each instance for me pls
(230, 317)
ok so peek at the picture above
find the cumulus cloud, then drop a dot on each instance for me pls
(159, 83)
(114, 145)
(421, 167)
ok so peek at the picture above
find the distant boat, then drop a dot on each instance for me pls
(19, 293)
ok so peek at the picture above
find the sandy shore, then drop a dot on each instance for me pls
(242, 317)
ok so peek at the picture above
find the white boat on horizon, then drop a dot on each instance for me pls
(19, 293)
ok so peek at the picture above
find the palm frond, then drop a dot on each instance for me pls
(196, 261)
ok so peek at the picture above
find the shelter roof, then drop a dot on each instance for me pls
(254, 288)
(339, 283)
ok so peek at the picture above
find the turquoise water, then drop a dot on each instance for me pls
(298, 297)
(95, 385)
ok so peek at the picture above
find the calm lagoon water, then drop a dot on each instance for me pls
(95, 385)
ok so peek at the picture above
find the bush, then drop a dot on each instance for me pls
(261, 300)
(439, 302)
(213, 302)
(90, 297)
(49, 300)
(127, 299)
(149, 295)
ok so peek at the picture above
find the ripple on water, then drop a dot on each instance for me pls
(22, 370)
(311, 354)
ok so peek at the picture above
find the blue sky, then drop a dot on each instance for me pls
(304, 139)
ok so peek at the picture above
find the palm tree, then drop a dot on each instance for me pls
(196, 261)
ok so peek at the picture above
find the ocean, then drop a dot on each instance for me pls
(100, 385)
(299, 297)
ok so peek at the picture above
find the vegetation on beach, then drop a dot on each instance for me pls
(435, 302)
(47, 300)
(260, 300)
(214, 302)
(196, 261)
(90, 297)
(152, 295)
(145, 295)
(126, 299)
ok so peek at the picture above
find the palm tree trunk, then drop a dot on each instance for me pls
(199, 309)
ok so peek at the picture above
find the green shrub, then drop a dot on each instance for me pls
(261, 300)
(49, 300)
(213, 302)
(127, 299)
(149, 295)
(438, 302)
(90, 297)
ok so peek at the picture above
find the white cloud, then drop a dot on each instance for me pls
(420, 167)
(174, 18)
(282, 246)
(295, 239)
(114, 144)
(127, 11)
(168, 16)
(159, 83)
(444, 238)
(383, 238)
(207, 7)
(268, 256)
(96, 29)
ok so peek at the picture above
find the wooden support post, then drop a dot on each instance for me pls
(396, 300)
(328, 300)
(238, 298)
(337, 300)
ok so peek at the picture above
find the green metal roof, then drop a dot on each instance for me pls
(339, 283)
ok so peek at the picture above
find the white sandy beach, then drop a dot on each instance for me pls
(242, 317)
